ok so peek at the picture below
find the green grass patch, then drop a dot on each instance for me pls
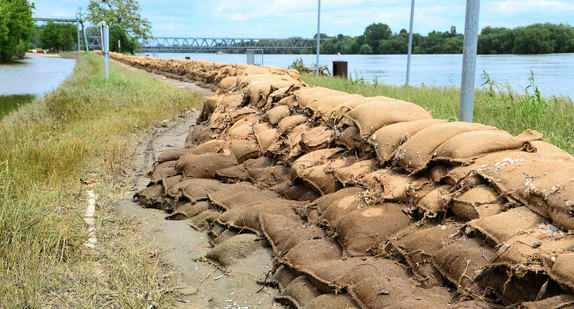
(86, 129)
(494, 104)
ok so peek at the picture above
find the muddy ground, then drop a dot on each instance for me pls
(200, 284)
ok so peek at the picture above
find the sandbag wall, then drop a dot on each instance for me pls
(369, 202)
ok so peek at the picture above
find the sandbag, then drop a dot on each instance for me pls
(465, 147)
(332, 301)
(387, 139)
(204, 165)
(265, 139)
(384, 111)
(243, 128)
(213, 146)
(232, 174)
(239, 195)
(363, 230)
(287, 123)
(277, 113)
(556, 302)
(244, 149)
(151, 197)
(306, 254)
(311, 169)
(350, 138)
(245, 217)
(353, 173)
(237, 247)
(204, 220)
(435, 202)
(197, 189)
(298, 293)
(163, 170)
(295, 192)
(268, 176)
(415, 153)
(170, 182)
(316, 138)
(479, 202)
(562, 270)
(499, 228)
(188, 210)
(306, 96)
(284, 233)
(172, 154)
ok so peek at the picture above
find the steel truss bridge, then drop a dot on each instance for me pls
(172, 44)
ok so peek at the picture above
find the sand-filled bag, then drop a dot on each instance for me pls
(562, 270)
(352, 174)
(204, 220)
(232, 174)
(173, 154)
(299, 293)
(499, 228)
(321, 107)
(239, 195)
(307, 254)
(197, 189)
(478, 202)
(260, 87)
(417, 246)
(212, 146)
(350, 138)
(245, 217)
(314, 210)
(465, 147)
(293, 140)
(433, 201)
(204, 165)
(364, 229)
(235, 248)
(170, 182)
(555, 302)
(387, 139)
(462, 261)
(332, 301)
(289, 122)
(152, 197)
(415, 153)
(163, 170)
(383, 111)
(319, 137)
(311, 169)
(284, 233)
(265, 138)
(188, 210)
(277, 113)
(268, 176)
(244, 149)
(307, 96)
(281, 278)
(243, 128)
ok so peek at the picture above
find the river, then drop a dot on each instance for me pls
(553, 73)
(30, 78)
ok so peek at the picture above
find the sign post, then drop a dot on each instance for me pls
(105, 33)
(469, 60)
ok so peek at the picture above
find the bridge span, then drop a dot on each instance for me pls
(174, 44)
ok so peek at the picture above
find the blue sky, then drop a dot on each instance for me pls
(287, 18)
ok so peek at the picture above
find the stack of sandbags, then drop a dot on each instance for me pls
(347, 188)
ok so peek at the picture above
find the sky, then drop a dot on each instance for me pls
(289, 18)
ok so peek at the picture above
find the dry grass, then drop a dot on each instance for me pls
(87, 130)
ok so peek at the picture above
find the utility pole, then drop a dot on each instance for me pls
(469, 60)
(410, 49)
(105, 34)
(318, 34)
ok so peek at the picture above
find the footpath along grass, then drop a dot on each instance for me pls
(495, 104)
(87, 129)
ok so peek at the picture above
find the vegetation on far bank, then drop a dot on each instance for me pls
(78, 137)
(494, 104)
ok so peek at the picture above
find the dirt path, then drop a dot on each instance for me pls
(200, 284)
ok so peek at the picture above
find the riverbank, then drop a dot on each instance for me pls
(495, 104)
(78, 138)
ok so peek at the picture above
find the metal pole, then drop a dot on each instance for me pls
(79, 47)
(318, 34)
(410, 42)
(469, 60)
(105, 32)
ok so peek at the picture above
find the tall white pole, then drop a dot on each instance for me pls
(469, 60)
(105, 30)
(410, 49)
(318, 34)
(79, 47)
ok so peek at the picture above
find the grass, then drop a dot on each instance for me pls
(494, 104)
(86, 129)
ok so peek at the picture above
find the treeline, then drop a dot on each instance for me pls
(379, 39)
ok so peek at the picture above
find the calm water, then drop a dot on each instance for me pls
(25, 80)
(553, 73)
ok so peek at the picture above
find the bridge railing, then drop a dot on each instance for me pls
(159, 44)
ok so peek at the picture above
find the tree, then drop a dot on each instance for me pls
(374, 33)
(128, 45)
(124, 14)
(534, 39)
(365, 49)
(16, 27)
(60, 37)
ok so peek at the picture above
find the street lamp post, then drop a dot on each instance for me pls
(410, 49)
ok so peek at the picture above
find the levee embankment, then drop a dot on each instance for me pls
(367, 202)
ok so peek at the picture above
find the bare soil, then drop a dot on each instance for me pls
(200, 284)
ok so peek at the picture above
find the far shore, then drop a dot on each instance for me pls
(42, 55)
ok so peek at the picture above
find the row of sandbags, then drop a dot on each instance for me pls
(339, 182)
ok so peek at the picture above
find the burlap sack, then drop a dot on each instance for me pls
(188, 210)
(499, 228)
(151, 197)
(415, 153)
(288, 123)
(229, 84)
(170, 182)
(244, 149)
(281, 278)
(477, 202)
(232, 174)
(163, 170)
(204, 220)
(350, 138)
(293, 140)
(239, 195)
(268, 176)
(465, 147)
(321, 107)
(307, 96)
(435, 202)
(556, 302)
(363, 230)
(417, 246)
(314, 210)
(284, 233)
(298, 294)
(306, 255)
(387, 139)
(335, 117)
(317, 138)
(382, 112)
(243, 128)
(204, 165)
(261, 86)
(374, 181)
(332, 301)
(295, 192)
(212, 146)
(353, 174)
(563, 270)
(192, 139)
(462, 261)
(339, 209)
(245, 217)
(277, 113)
(172, 154)
(265, 139)
(311, 169)
(197, 189)
(400, 187)
(235, 248)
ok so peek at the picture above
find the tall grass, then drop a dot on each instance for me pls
(84, 130)
(494, 104)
